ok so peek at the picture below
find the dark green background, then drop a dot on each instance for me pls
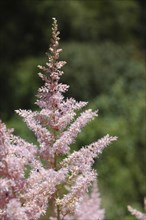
(103, 43)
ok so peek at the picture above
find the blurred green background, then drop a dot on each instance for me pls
(103, 43)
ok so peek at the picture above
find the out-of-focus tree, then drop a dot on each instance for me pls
(124, 172)
(24, 30)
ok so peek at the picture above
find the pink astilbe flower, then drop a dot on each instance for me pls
(13, 160)
(89, 208)
(14, 210)
(82, 160)
(139, 215)
(68, 137)
(69, 202)
(24, 197)
(35, 178)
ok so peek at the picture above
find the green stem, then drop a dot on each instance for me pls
(58, 213)
(57, 192)
(55, 165)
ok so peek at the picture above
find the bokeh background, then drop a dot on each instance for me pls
(103, 43)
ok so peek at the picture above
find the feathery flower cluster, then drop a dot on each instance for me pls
(19, 190)
(89, 207)
(139, 215)
(34, 178)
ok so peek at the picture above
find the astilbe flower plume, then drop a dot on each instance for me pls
(89, 207)
(35, 178)
(20, 195)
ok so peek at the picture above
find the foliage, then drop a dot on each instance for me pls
(125, 115)
(107, 63)
(24, 35)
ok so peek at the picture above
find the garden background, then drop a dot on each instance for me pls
(103, 43)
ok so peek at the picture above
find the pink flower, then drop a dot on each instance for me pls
(34, 178)
(139, 215)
